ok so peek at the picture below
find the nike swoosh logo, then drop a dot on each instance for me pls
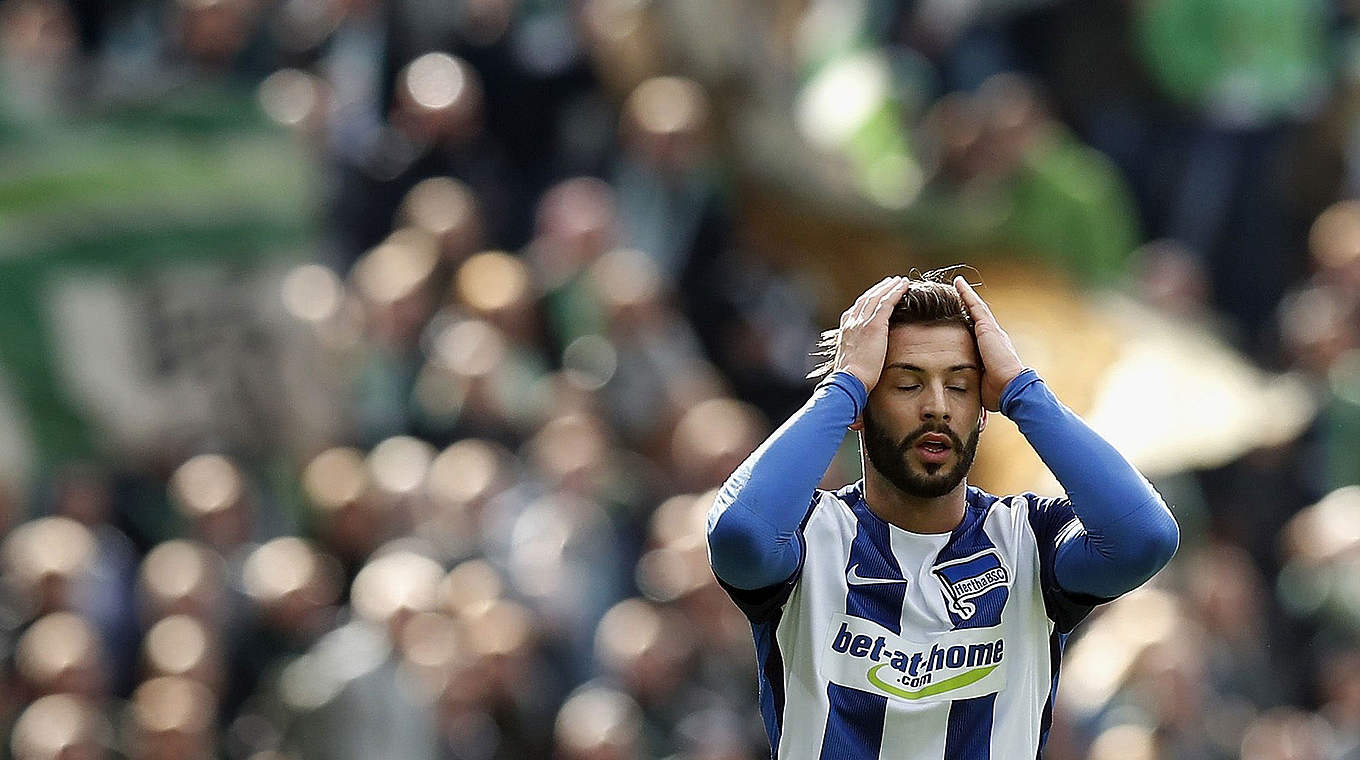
(855, 579)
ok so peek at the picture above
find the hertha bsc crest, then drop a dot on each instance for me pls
(969, 578)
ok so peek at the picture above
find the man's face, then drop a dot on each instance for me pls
(922, 421)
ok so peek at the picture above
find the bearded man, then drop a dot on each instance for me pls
(911, 615)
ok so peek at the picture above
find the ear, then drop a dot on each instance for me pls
(982, 420)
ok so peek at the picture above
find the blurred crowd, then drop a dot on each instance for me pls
(418, 467)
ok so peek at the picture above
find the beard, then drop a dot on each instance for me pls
(890, 458)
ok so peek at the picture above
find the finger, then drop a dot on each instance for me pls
(875, 295)
(884, 287)
(865, 298)
(869, 291)
(977, 308)
(877, 288)
(888, 301)
(966, 292)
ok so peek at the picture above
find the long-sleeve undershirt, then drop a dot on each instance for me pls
(1124, 534)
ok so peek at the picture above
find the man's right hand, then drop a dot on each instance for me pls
(862, 342)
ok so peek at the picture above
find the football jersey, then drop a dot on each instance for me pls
(892, 644)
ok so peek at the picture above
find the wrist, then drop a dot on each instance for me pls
(1026, 377)
(865, 378)
(851, 385)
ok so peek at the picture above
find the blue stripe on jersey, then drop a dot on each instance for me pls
(854, 723)
(969, 733)
(871, 554)
(1056, 642)
(770, 679)
(967, 540)
(854, 726)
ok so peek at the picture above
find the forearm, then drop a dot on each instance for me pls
(1127, 533)
(754, 523)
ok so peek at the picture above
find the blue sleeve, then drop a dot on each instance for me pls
(1113, 532)
(755, 525)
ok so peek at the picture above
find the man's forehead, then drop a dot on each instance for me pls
(931, 346)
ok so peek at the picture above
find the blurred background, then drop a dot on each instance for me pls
(367, 366)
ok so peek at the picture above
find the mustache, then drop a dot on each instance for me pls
(954, 440)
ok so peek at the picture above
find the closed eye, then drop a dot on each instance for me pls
(907, 387)
(958, 388)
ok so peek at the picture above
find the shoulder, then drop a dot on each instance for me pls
(833, 506)
(1025, 504)
(1025, 513)
(991, 507)
(1024, 501)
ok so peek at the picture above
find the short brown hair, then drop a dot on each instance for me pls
(930, 299)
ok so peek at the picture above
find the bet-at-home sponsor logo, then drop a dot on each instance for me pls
(957, 665)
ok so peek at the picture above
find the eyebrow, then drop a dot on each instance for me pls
(914, 368)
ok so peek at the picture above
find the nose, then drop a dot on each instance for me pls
(933, 405)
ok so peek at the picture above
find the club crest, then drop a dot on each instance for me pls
(969, 578)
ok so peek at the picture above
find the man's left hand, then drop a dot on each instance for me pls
(1000, 363)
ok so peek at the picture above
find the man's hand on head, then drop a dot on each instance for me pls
(862, 342)
(1000, 362)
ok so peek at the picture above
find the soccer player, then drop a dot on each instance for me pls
(910, 615)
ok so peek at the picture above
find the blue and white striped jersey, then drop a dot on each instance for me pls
(891, 644)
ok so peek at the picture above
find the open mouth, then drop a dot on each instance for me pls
(934, 447)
